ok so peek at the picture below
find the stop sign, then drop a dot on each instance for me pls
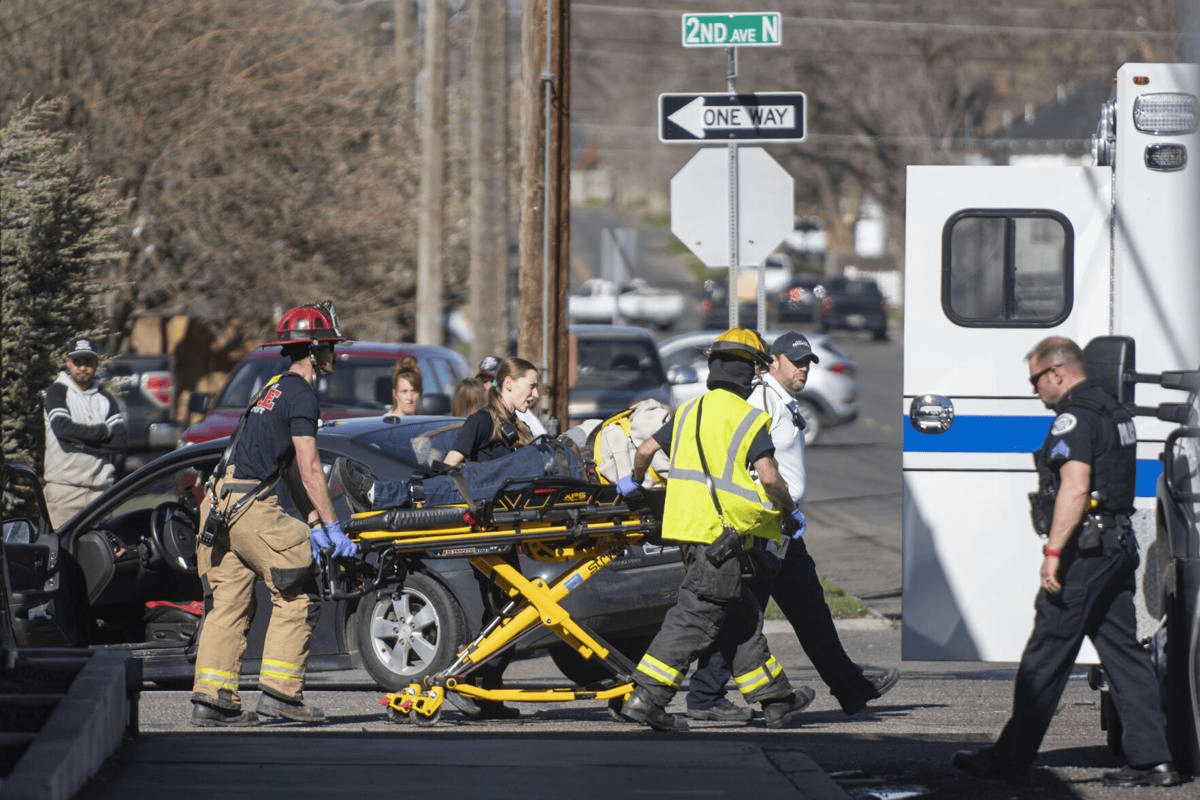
(700, 205)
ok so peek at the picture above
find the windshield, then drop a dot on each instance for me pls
(353, 384)
(615, 363)
(414, 443)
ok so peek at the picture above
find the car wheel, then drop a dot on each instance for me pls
(409, 631)
(812, 421)
(584, 671)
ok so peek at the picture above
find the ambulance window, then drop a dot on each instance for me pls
(1007, 268)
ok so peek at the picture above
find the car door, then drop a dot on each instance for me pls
(37, 612)
(997, 258)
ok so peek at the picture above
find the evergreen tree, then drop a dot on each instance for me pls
(56, 228)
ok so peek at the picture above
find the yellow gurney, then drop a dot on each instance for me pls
(587, 525)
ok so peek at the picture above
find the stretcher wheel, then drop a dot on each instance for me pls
(397, 716)
(422, 721)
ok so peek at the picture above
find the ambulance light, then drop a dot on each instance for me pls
(1166, 113)
(1166, 157)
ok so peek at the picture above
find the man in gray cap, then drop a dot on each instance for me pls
(796, 588)
(84, 430)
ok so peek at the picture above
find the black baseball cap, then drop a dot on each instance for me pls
(83, 346)
(795, 347)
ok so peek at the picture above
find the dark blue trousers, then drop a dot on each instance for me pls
(1096, 601)
(798, 593)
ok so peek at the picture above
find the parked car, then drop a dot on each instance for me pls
(829, 398)
(121, 574)
(610, 369)
(144, 387)
(360, 386)
(800, 299)
(714, 306)
(635, 303)
(855, 304)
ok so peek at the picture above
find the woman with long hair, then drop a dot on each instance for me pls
(495, 430)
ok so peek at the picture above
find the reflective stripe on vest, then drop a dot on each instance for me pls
(730, 425)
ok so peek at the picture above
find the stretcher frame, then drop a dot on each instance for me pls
(588, 525)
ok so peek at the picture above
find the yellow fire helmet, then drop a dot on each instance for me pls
(741, 343)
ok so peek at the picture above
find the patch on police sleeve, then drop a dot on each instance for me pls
(1060, 452)
(1063, 423)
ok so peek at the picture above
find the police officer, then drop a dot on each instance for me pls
(796, 587)
(262, 542)
(713, 507)
(1087, 465)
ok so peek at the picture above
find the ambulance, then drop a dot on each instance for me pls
(996, 259)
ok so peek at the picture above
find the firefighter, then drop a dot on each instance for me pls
(713, 507)
(257, 540)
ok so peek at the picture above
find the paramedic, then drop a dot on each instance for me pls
(713, 508)
(84, 429)
(264, 542)
(1087, 580)
(796, 588)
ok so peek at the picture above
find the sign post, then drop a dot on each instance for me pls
(730, 118)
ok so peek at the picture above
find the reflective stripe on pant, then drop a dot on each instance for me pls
(265, 543)
(711, 597)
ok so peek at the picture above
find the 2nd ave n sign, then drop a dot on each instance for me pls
(757, 117)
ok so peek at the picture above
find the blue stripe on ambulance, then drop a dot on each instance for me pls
(993, 434)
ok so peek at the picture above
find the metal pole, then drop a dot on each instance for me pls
(732, 155)
(547, 92)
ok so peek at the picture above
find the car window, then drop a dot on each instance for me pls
(247, 379)
(19, 506)
(693, 357)
(184, 485)
(357, 384)
(618, 363)
(439, 376)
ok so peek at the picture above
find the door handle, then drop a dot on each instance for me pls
(931, 413)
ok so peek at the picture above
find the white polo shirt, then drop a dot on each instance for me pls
(769, 395)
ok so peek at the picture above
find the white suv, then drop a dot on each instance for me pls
(830, 397)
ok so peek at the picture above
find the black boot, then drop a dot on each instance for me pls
(640, 708)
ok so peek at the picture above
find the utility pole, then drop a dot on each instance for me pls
(403, 26)
(429, 305)
(544, 241)
(488, 274)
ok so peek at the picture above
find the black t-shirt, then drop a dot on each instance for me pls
(475, 440)
(287, 408)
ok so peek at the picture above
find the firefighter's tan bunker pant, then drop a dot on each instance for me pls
(265, 543)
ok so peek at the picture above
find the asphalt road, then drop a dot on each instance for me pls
(899, 747)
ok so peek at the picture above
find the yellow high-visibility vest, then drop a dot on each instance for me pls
(729, 425)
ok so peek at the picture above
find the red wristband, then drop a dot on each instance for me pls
(1046, 551)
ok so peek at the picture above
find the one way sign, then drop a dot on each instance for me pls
(758, 117)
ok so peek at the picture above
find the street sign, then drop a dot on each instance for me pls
(756, 29)
(700, 213)
(757, 117)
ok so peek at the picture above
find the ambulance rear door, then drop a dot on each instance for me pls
(997, 258)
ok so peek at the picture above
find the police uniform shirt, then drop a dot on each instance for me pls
(1081, 432)
(287, 408)
(475, 440)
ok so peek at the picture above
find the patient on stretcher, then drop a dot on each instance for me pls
(481, 479)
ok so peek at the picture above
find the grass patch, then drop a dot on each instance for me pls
(652, 220)
(841, 605)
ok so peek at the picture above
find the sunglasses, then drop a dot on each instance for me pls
(1037, 376)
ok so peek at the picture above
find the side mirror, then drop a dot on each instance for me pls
(198, 402)
(1111, 363)
(678, 375)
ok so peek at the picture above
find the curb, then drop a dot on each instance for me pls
(84, 729)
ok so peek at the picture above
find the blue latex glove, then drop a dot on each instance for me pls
(798, 524)
(627, 487)
(319, 541)
(342, 546)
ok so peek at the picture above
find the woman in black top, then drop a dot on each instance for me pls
(494, 430)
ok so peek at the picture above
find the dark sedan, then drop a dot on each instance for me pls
(121, 574)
